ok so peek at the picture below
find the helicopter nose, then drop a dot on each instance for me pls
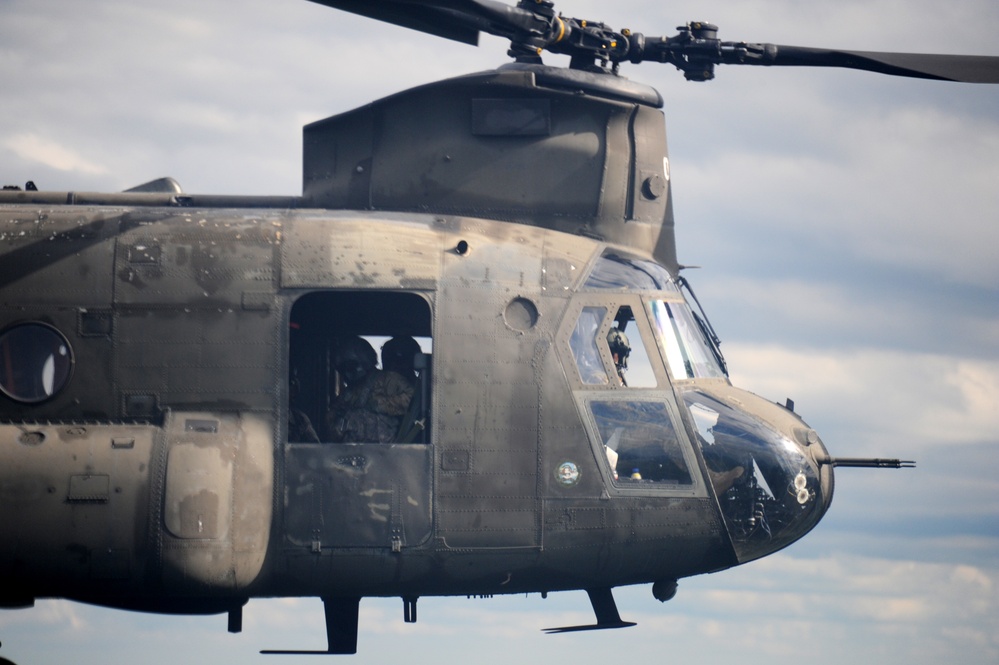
(816, 450)
(762, 461)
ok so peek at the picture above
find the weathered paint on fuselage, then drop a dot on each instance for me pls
(162, 478)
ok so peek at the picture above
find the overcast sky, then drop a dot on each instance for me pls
(847, 226)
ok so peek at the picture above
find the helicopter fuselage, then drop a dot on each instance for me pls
(147, 461)
(173, 428)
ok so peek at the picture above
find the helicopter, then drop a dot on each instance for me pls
(140, 262)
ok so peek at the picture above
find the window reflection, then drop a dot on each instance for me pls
(584, 346)
(617, 272)
(765, 485)
(687, 351)
(640, 442)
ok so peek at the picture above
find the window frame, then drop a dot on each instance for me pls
(59, 383)
(612, 303)
(663, 393)
(683, 347)
(328, 329)
(697, 488)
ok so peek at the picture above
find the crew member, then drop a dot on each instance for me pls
(370, 407)
(620, 349)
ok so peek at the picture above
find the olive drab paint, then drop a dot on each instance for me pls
(170, 377)
(192, 318)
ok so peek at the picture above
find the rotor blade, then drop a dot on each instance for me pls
(961, 68)
(417, 15)
(460, 20)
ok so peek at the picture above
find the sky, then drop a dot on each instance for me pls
(846, 226)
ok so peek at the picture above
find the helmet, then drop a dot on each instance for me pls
(619, 345)
(355, 358)
(398, 354)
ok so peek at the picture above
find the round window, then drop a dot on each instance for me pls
(35, 362)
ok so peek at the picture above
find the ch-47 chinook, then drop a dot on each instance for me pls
(571, 424)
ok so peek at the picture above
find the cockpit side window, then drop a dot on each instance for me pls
(622, 384)
(597, 338)
(627, 347)
(359, 368)
(583, 344)
(640, 442)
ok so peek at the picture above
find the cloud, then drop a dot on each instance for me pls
(905, 189)
(50, 153)
(853, 598)
(874, 389)
(817, 311)
(846, 222)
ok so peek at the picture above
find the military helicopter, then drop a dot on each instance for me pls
(153, 338)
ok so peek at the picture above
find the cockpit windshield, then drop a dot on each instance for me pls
(687, 350)
(684, 337)
(637, 339)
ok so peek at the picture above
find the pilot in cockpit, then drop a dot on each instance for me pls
(620, 349)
